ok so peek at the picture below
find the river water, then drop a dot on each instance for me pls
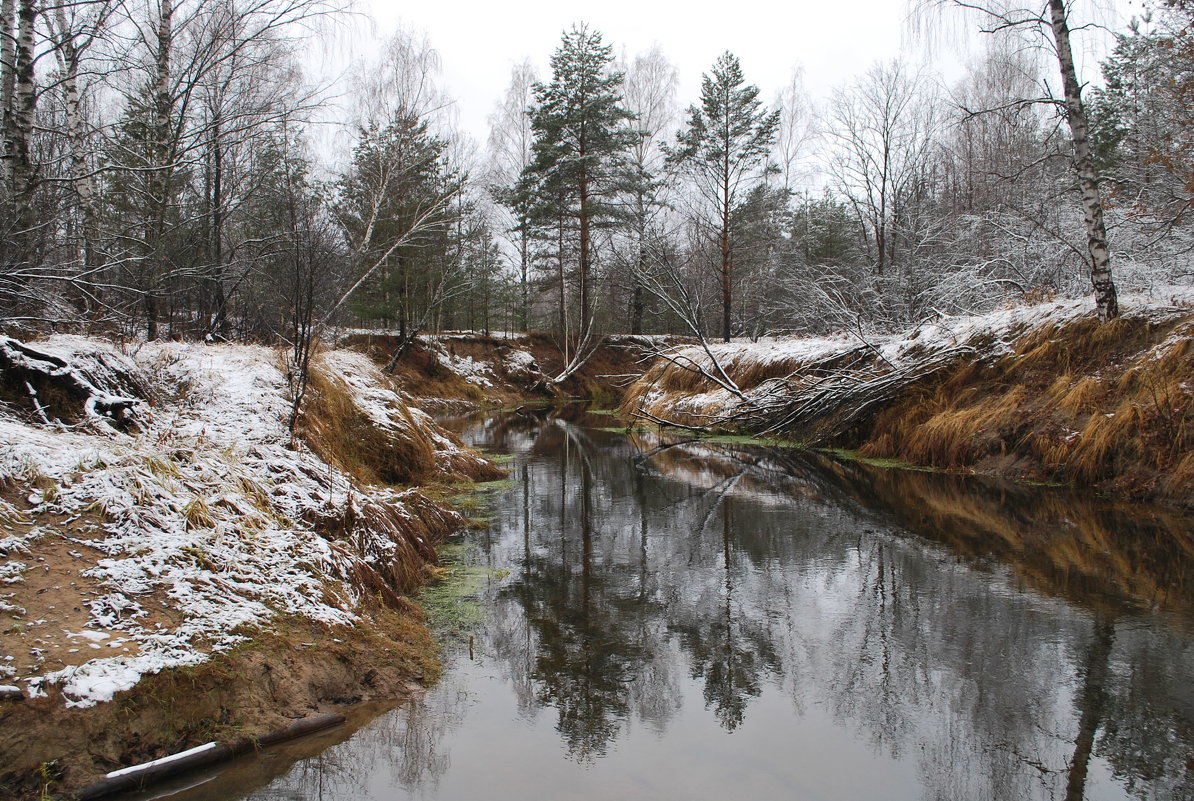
(662, 620)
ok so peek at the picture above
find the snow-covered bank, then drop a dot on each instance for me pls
(125, 553)
(1043, 392)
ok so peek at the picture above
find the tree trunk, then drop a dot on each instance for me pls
(727, 285)
(583, 219)
(159, 181)
(20, 130)
(218, 324)
(1090, 707)
(81, 182)
(1088, 183)
(524, 262)
(8, 73)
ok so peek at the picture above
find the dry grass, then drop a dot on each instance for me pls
(342, 435)
(1108, 405)
(1103, 405)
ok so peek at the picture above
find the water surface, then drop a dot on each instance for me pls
(703, 621)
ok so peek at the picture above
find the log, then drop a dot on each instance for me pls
(138, 777)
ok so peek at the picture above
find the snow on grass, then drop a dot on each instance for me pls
(206, 512)
(991, 335)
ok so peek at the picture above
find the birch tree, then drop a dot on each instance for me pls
(179, 121)
(510, 154)
(1048, 24)
(881, 131)
(650, 91)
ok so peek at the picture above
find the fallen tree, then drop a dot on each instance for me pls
(59, 391)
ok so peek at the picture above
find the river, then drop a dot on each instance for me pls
(668, 620)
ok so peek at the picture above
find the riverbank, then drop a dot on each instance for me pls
(467, 371)
(178, 568)
(1042, 393)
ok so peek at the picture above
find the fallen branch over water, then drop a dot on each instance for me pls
(832, 405)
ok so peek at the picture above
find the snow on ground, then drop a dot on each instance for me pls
(994, 333)
(201, 524)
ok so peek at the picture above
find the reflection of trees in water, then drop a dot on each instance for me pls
(585, 593)
(409, 740)
(728, 640)
(744, 567)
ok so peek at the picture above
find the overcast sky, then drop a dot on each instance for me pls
(480, 41)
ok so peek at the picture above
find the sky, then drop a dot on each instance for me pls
(479, 42)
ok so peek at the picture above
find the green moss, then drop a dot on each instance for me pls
(747, 439)
(470, 496)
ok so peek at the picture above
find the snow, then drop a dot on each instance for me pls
(205, 510)
(991, 335)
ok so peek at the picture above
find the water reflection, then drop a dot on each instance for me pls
(701, 621)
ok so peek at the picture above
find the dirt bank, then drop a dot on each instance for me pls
(469, 369)
(1043, 393)
(177, 567)
(297, 670)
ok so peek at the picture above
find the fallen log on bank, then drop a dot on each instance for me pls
(138, 777)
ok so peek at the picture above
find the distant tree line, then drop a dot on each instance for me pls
(158, 179)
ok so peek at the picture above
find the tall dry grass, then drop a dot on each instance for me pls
(1108, 406)
(342, 435)
(1071, 400)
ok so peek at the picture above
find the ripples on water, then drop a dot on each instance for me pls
(702, 621)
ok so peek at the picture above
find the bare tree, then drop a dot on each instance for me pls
(179, 119)
(509, 151)
(798, 132)
(649, 91)
(882, 131)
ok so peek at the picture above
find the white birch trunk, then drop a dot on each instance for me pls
(8, 73)
(20, 129)
(1088, 181)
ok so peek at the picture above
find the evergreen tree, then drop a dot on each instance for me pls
(394, 205)
(581, 135)
(724, 151)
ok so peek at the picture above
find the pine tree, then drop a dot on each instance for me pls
(581, 135)
(724, 150)
(398, 182)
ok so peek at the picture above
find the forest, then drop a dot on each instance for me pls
(163, 178)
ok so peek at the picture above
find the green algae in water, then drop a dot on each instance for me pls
(886, 464)
(623, 429)
(453, 603)
(475, 497)
(498, 458)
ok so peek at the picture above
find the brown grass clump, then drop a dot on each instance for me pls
(961, 434)
(1107, 405)
(1075, 397)
(344, 436)
(389, 547)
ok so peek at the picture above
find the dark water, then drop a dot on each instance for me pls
(705, 621)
